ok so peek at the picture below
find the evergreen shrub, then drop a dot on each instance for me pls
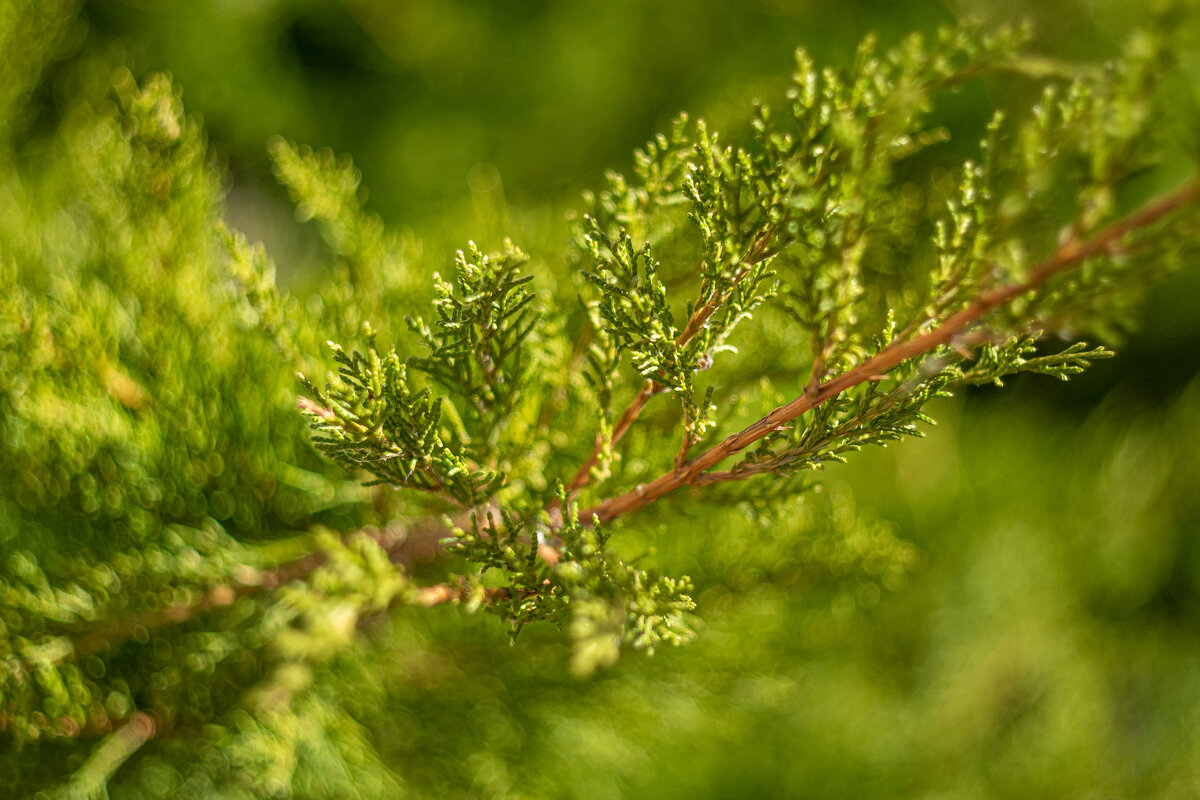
(203, 556)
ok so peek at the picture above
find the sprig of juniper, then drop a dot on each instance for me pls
(809, 222)
(750, 204)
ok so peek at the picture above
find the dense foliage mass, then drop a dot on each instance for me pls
(203, 598)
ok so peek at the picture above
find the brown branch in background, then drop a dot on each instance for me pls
(137, 728)
(220, 596)
(420, 542)
(311, 406)
(91, 779)
(1069, 255)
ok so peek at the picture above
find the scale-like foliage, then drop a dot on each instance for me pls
(604, 602)
(373, 420)
(178, 559)
(477, 345)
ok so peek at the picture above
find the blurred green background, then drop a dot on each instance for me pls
(1047, 643)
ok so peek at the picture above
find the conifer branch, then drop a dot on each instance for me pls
(1071, 254)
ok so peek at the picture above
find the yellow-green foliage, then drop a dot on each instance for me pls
(201, 596)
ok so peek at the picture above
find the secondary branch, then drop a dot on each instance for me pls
(1069, 255)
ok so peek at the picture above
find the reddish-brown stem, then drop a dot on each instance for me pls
(584, 473)
(1069, 255)
(685, 444)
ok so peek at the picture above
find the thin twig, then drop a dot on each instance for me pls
(442, 593)
(584, 473)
